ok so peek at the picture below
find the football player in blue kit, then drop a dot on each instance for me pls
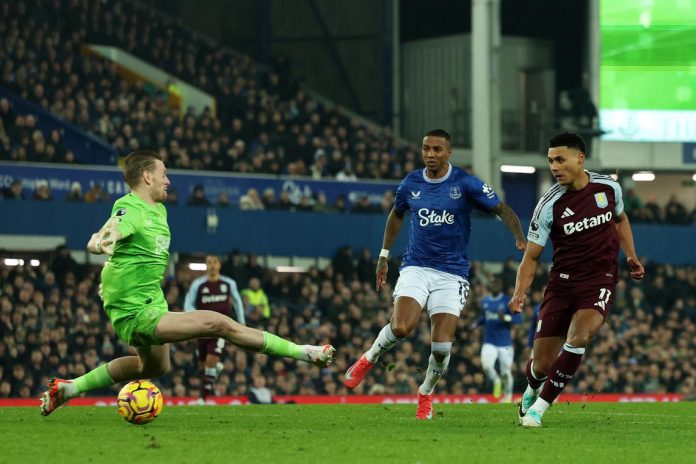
(497, 345)
(435, 267)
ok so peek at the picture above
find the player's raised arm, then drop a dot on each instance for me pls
(623, 228)
(525, 276)
(391, 231)
(508, 216)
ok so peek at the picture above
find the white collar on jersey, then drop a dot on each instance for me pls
(441, 179)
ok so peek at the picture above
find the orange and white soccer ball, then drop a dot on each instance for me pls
(140, 402)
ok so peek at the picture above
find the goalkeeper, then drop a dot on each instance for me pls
(136, 237)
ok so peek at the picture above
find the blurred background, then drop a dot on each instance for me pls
(286, 127)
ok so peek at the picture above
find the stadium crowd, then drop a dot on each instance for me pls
(646, 212)
(52, 324)
(265, 121)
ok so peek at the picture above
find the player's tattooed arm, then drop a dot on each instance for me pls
(508, 216)
(391, 231)
(103, 241)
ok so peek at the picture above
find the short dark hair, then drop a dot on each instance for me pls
(440, 133)
(568, 139)
(138, 162)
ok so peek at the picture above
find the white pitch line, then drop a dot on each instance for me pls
(638, 414)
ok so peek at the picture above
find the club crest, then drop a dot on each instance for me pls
(601, 199)
(455, 193)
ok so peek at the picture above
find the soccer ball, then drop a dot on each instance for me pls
(139, 402)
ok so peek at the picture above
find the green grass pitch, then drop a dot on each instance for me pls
(574, 433)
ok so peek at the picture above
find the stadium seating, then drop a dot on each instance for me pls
(51, 323)
(265, 122)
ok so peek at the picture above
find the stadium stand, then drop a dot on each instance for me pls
(51, 323)
(265, 122)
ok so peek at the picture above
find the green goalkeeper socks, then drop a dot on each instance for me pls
(97, 378)
(276, 346)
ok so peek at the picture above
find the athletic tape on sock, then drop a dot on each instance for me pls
(572, 349)
(441, 347)
(531, 368)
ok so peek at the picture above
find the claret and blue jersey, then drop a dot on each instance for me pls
(441, 217)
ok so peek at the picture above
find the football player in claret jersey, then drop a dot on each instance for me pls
(497, 340)
(435, 268)
(219, 293)
(136, 237)
(583, 216)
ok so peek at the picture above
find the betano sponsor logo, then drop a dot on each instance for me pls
(587, 223)
(213, 298)
(433, 217)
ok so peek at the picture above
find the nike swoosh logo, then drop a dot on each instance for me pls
(349, 373)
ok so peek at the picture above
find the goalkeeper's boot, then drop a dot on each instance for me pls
(425, 407)
(528, 399)
(321, 356)
(356, 373)
(497, 388)
(532, 419)
(56, 396)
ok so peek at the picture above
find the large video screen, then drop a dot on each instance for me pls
(647, 72)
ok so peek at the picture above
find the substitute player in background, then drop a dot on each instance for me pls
(219, 293)
(584, 217)
(497, 340)
(436, 266)
(137, 239)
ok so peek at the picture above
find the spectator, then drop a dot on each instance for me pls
(340, 204)
(284, 203)
(319, 168)
(301, 306)
(42, 192)
(366, 267)
(232, 267)
(14, 191)
(346, 174)
(63, 266)
(260, 393)
(387, 203)
(198, 197)
(75, 193)
(321, 205)
(7, 115)
(269, 199)
(257, 297)
(363, 206)
(172, 197)
(675, 212)
(653, 209)
(632, 202)
(250, 201)
(96, 193)
(223, 200)
(306, 204)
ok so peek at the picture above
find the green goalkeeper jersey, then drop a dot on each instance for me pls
(131, 278)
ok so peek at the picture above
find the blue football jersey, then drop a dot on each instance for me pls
(495, 330)
(441, 217)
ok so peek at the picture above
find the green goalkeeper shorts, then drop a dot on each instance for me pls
(136, 326)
